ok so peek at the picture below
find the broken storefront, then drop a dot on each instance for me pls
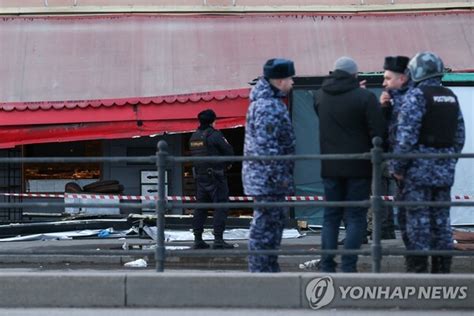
(102, 60)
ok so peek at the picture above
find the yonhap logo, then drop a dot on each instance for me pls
(320, 292)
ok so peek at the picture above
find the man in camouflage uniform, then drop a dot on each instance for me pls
(396, 82)
(268, 131)
(429, 121)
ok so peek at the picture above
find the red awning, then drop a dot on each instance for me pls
(53, 58)
(45, 122)
(104, 59)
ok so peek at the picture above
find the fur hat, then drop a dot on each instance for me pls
(278, 68)
(396, 63)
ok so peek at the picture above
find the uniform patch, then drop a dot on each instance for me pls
(444, 99)
(270, 128)
(196, 144)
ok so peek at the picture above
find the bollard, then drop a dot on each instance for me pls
(376, 203)
(161, 158)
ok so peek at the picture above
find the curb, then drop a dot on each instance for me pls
(392, 264)
(240, 289)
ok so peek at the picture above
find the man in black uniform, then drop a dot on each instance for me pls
(211, 180)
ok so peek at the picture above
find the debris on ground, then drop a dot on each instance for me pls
(139, 263)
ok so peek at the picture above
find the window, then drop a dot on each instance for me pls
(63, 170)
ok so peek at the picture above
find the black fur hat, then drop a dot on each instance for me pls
(396, 63)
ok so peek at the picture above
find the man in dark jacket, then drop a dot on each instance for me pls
(349, 117)
(211, 180)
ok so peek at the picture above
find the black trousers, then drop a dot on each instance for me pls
(211, 188)
(387, 217)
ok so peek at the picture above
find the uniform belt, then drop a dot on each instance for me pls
(210, 172)
(437, 145)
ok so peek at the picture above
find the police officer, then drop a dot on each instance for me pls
(395, 82)
(429, 121)
(268, 131)
(211, 180)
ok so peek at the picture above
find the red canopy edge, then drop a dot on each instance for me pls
(24, 135)
(133, 119)
(81, 104)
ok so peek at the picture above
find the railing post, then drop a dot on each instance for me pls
(376, 203)
(161, 157)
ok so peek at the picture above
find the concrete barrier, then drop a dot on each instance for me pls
(219, 289)
(62, 289)
(214, 290)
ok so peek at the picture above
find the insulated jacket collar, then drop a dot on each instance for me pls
(402, 90)
(264, 90)
(339, 82)
(429, 82)
(204, 127)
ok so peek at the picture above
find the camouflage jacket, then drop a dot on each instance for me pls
(392, 122)
(422, 172)
(268, 131)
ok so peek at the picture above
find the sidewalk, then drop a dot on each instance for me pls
(198, 289)
(23, 257)
(99, 281)
(215, 312)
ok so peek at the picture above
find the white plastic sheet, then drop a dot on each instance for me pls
(68, 235)
(139, 263)
(231, 234)
(170, 235)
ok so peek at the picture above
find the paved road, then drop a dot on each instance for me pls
(23, 257)
(213, 312)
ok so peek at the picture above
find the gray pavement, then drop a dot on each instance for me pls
(213, 312)
(23, 257)
(197, 289)
(98, 284)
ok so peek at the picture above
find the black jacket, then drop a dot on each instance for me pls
(349, 117)
(217, 145)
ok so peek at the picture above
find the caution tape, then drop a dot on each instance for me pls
(180, 198)
(145, 197)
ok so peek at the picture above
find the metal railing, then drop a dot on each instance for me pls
(165, 161)
(376, 203)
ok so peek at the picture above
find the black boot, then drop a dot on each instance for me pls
(219, 242)
(388, 234)
(199, 243)
(441, 264)
(446, 263)
(365, 239)
(435, 264)
(416, 264)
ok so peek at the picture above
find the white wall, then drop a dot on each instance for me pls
(464, 182)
